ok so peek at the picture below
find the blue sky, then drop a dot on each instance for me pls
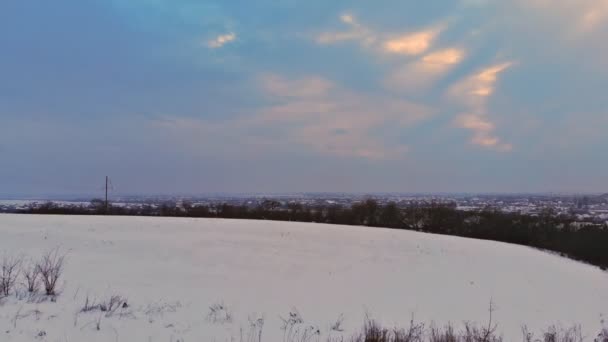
(198, 96)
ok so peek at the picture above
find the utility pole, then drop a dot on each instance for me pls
(106, 211)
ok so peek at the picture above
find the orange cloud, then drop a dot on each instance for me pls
(221, 40)
(474, 89)
(410, 44)
(482, 131)
(472, 93)
(419, 75)
(444, 57)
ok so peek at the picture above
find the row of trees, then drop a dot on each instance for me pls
(547, 230)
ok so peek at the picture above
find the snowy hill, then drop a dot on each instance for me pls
(171, 271)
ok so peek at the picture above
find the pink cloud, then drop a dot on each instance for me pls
(411, 43)
(313, 109)
(417, 76)
(472, 93)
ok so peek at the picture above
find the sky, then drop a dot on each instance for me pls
(276, 96)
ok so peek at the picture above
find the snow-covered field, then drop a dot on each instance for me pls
(173, 270)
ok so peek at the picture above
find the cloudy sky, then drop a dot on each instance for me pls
(199, 96)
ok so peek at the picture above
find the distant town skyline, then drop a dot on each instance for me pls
(198, 97)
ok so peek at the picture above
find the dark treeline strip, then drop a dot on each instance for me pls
(548, 230)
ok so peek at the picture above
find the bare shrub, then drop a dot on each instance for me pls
(256, 326)
(337, 325)
(556, 334)
(292, 319)
(603, 336)
(527, 335)
(50, 268)
(219, 313)
(8, 274)
(89, 305)
(294, 329)
(445, 334)
(415, 333)
(32, 277)
(113, 303)
(305, 334)
(373, 332)
(473, 333)
(109, 306)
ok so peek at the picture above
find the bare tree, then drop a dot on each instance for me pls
(50, 268)
(8, 274)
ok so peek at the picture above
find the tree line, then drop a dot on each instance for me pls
(546, 230)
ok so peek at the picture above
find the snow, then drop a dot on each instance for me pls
(173, 270)
(25, 203)
(16, 202)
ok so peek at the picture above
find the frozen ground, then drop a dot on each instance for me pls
(173, 270)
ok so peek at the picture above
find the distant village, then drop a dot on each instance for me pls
(584, 209)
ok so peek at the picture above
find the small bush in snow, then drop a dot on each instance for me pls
(256, 325)
(292, 319)
(50, 268)
(294, 329)
(337, 325)
(89, 305)
(108, 306)
(555, 334)
(8, 274)
(32, 277)
(219, 313)
(373, 332)
(447, 334)
(473, 333)
(603, 336)
(414, 333)
(113, 303)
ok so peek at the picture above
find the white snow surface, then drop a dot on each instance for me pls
(173, 269)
